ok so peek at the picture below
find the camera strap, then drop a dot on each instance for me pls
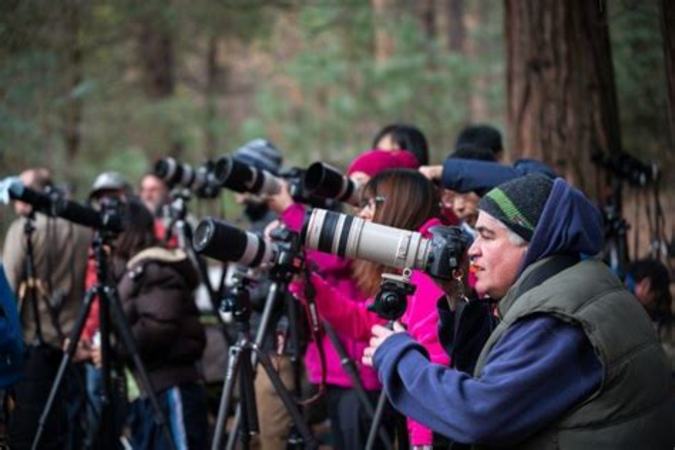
(315, 330)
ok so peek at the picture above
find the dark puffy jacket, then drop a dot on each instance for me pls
(156, 291)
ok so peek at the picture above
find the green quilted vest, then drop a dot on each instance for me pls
(633, 407)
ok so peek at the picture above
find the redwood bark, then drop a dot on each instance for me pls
(562, 102)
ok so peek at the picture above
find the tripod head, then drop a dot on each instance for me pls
(392, 298)
(288, 260)
(177, 207)
(237, 299)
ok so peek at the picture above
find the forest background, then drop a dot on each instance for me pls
(88, 86)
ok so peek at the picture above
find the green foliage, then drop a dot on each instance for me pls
(347, 96)
(301, 73)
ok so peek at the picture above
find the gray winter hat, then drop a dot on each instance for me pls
(260, 153)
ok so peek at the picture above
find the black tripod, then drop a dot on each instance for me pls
(31, 280)
(243, 357)
(178, 214)
(390, 303)
(108, 304)
(616, 231)
(347, 363)
(177, 219)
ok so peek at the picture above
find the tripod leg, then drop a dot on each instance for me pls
(353, 373)
(249, 413)
(68, 355)
(263, 328)
(124, 332)
(381, 402)
(233, 362)
(286, 398)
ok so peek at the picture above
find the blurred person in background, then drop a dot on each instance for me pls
(156, 289)
(154, 193)
(60, 259)
(109, 188)
(649, 280)
(400, 136)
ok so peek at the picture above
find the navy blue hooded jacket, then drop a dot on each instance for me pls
(469, 175)
(541, 367)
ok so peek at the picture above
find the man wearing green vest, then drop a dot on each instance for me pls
(574, 362)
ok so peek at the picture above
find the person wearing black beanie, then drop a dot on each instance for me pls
(574, 363)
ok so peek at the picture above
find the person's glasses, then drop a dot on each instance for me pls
(372, 202)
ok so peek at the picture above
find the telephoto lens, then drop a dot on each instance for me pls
(16, 190)
(239, 177)
(352, 237)
(325, 181)
(174, 173)
(224, 242)
(200, 180)
(108, 219)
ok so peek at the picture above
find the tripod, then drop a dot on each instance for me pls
(243, 357)
(348, 365)
(109, 304)
(390, 303)
(31, 280)
(616, 230)
(178, 214)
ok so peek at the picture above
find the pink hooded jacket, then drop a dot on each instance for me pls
(352, 320)
(337, 273)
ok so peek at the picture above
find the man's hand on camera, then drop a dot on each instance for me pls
(380, 334)
(432, 172)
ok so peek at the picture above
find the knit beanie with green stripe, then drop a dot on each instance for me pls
(518, 203)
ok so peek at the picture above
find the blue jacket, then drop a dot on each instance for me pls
(11, 340)
(468, 175)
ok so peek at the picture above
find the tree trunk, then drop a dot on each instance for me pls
(427, 13)
(157, 59)
(562, 103)
(212, 79)
(384, 42)
(474, 48)
(72, 114)
(456, 30)
(668, 32)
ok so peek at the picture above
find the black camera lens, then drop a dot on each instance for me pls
(325, 181)
(175, 173)
(224, 242)
(239, 177)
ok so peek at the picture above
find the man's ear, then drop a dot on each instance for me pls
(643, 290)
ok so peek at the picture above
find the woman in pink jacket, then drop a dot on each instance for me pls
(348, 418)
(402, 199)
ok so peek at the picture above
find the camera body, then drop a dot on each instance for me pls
(447, 247)
(627, 167)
